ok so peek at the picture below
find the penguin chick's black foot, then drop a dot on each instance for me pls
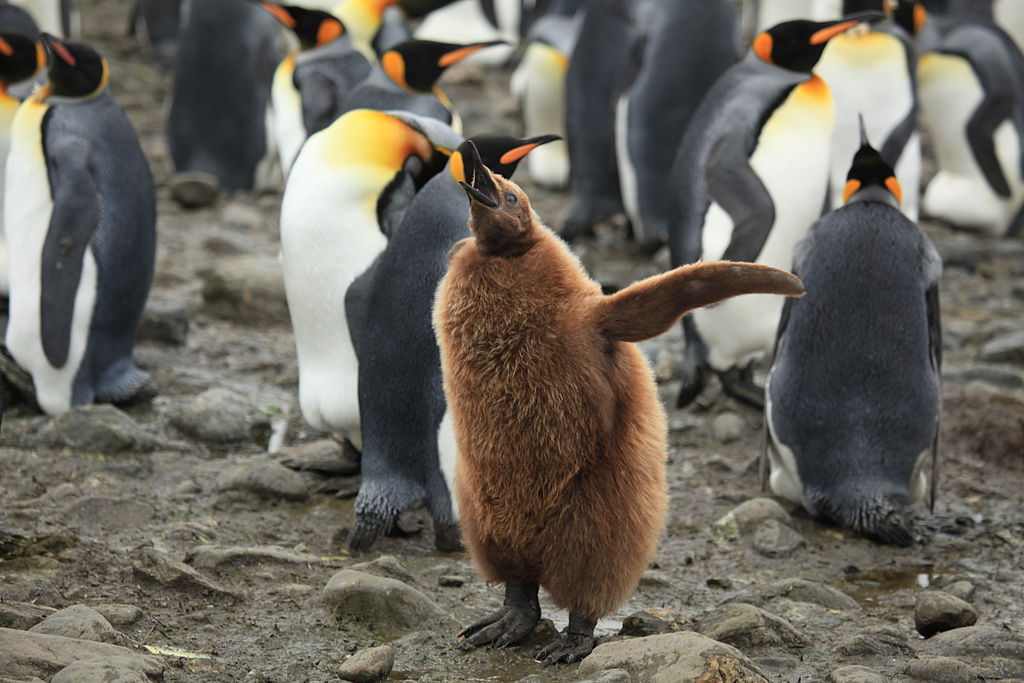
(739, 383)
(513, 622)
(575, 642)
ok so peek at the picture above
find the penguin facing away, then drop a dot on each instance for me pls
(347, 192)
(853, 395)
(21, 59)
(872, 72)
(971, 89)
(750, 177)
(688, 46)
(311, 84)
(408, 446)
(84, 234)
(560, 476)
(218, 127)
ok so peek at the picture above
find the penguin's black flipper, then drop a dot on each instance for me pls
(739, 191)
(935, 342)
(995, 107)
(321, 99)
(73, 223)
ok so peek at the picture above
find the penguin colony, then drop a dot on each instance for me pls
(455, 341)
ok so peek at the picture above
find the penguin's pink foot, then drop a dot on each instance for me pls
(513, 622)
(574, 643)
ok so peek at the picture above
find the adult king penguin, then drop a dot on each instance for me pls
(408, 443)
(560, 477)
(311, 84)
(21, 59)
(84, 232)
(750, 177)
(347, 192)
(853, 394)
(971, 89)
(871, 73)
(688, 47)
(218, 128)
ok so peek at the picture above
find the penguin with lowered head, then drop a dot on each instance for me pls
(83, 231)
(853, 394)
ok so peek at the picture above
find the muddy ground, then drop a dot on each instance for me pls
(99, 514)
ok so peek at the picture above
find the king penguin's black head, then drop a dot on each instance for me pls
(20, 58)
(312, 27)
(417, 64)
(870, 176)
(75, 70)
(910, 16)
(797, 45)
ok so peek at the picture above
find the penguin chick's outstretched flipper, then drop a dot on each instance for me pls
(555, 412)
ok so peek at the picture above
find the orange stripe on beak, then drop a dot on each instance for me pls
(826, 34)
(63, 53)
(458, 167)
(394, 66)
(893, 186)
(329, 30)
(920, 17)
(6, 48)
(517, 153)
(458, 55)
(280, 13)
(763, 47)
(851, 188)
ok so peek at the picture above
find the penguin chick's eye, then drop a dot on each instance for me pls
(510, 198)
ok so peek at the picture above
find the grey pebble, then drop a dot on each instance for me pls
(368, 666)
(82, 622)
(727, 427)
(97, 428)
(854, 674)
(265, 477)
(221, 415)
(378, 603)
(746, 626)
(1007, 348)
(937, 611)
(164, 322)
(775, 539)
(248, 288)
(942, 670)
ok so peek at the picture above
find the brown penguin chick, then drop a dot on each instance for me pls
(561, 437)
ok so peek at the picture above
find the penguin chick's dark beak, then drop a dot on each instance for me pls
(481, 187)
(58, 49)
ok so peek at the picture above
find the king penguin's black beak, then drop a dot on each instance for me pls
(481, 187)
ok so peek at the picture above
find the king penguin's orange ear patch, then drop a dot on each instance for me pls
(893, 186)
(850, 189)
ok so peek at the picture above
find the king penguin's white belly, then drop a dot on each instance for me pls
(288, 123)
(867, 74)
(539, 83)
(329, 236)
(8, 108)
(784, 477)
(949, 92)
(792, 160)
(26, 223)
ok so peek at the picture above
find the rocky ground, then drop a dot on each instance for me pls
(175, 527)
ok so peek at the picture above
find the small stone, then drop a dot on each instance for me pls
(118, 614)
(247, 289)
(326, 456)
(22, 615)
(220, 415)
(164, 322)
(883, 642)
(746, 517)
(26, 654)
(368, 666)
(611, 676)
(854, 674)
(386, 565)
(381, 604)
(774, 539)
(267, 478)
(451, 580)
(195, 189)
(799, 590)
(209, 556)
(98, 672)
(937, 612)
(111, 513)
(727, 427)
(156, 566)
(1007, 348)
(746, 626)
(652, 621)
(942, 670)
(683, 656)
(100, 428)
(996, 375)
(652, 578)
(983, 640)
(242, 216)
(79, 621)
(960, 589)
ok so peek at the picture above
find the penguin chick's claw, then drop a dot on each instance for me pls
(575, 642)
(513, 622)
